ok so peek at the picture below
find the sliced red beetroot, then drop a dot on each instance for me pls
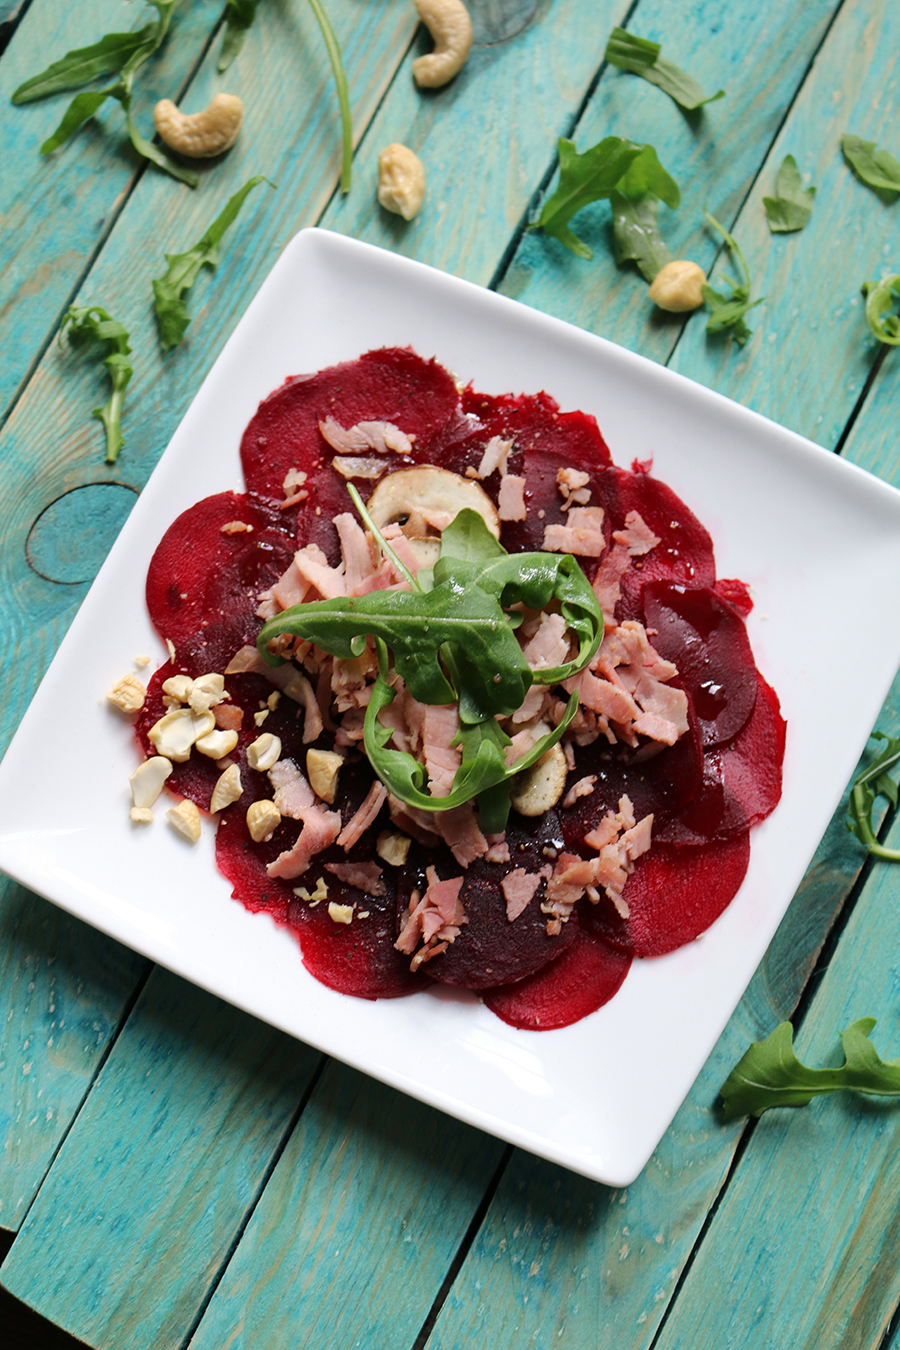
(707, 641)
(674, 894)
(195, 550)
(736, 594)
(741, 781)
(490, 950)
(584, 977)
(661, 784)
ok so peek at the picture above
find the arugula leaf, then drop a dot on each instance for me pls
(879, 302)
(876, 168)
(239, 16)
(770, 1074)
(639, 56)
(90, 323)
(791, 207)
(612, 163)
(871, 783)
(79, 67)
(636, 236)
(169, 291)
(727, 311)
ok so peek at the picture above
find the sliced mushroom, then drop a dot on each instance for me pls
(537, 789)
(423, 500)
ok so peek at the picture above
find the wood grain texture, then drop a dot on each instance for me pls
(485, 139)
(812, 321)
(357, 1226)
(759, 54)
(160, 1169)
(64, 989)
(55, 210)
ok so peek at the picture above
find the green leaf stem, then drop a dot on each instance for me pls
(639, 56)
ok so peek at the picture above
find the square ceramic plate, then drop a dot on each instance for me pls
(818, 539)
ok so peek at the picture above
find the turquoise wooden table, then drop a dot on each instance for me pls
(173, 1172)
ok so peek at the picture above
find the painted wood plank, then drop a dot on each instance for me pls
(812, 319)
(64, 990)
(357, 1226)
(160, 1170)
(759, 54)
(485, 140)
(55, 211)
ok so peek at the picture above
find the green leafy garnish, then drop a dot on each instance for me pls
(876, 168)
(121, 53)
(770, 1074)
(169, 291)
(639, 56)
(90, 323)
(455, 643)
(239, 16)
(791, 207)
(874, 782)
(883, 324)
(727, 311)
(614, 164)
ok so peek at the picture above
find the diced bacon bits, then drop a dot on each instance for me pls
(263, 819)
(264, 752)
(393, 847)
(323, 767)
(436, 919)
(518, 889)
(127, 694)
(572, 484)
(360, 822)
(319, 829)
(583, 788)
(228, 789)
(185, 820)
(148, 780)
(366, 877)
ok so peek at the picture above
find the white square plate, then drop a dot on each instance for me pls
(818, 539)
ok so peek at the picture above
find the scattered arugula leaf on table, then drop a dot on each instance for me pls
(635, 204)
(883, 324)
(876, 168)
(239, 16)
(169, 291)
(91, 324)
(117, 53)
(343, 93)
(791, 207)
(612, 165)
(455, 643)
(727, 311)
(770, 1074)
(639, 56)
(875, 781)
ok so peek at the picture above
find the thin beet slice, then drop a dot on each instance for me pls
(195, 550)
(707, 641)
(490, 950)
(674, 894)
(585, 976)
(735, 593)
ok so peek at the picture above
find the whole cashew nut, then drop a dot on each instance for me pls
(401, 180)
(677, 286)
(204, 134)
(449, 24)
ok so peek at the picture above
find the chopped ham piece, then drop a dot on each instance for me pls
(294, 490)
(364, 876)
(549, 646)
(358, 466)
(498, 848)
(572, 484)
(360, 557)
(583, 788)
(518, 889)
(312, 564)
(583, 534)
(436, 919)
(511, 501)
(290, 589)
(320, 829)
(619, 841)
(293, 794)
(374, 800)
(403, 548)
(637, 536)
(378, 436)
(459, 830)
(607, 583)
(532, 705)
(496, 456)
(228, 718)
(439, 729)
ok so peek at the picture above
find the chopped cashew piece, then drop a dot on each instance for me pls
(200, 135)
(141, 815)
(148, 779)
(540, 787)
(227, 790)
(260, 717)
(208, 692)
(185, 820)
(264, 752)
(217, 744)
(449, 24)
(174, 734)
(178, 686)
(392, 847)
(401, 181)
(128, 694)
(340, 913)
(426, 491)
(323, 767)
(677, 286)
(263, 819)
(313, 897)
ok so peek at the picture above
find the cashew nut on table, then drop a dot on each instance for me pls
(204, 134)
(449, 24)
(401, 180)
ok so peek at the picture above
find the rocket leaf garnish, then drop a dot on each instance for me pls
(727, 311)
(871, 783)
(640, 56)
(880, 297)
(90, 323)
(876, 168)
(791, 207)
(770, 1074)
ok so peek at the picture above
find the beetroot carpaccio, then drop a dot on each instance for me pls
(673, 755)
